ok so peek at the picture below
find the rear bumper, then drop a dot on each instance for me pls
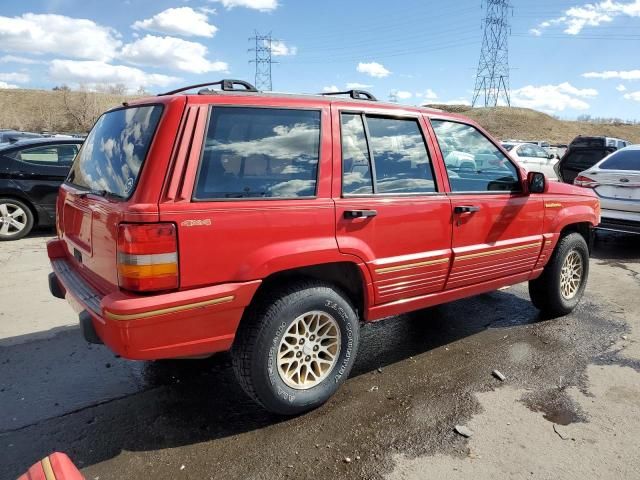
(619, 221)
(169, 325)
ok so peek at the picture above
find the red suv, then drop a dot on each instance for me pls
(271, 225)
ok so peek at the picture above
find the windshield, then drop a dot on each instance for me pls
(508, 146)
(112, 155)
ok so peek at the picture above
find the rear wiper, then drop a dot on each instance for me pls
(98, 193)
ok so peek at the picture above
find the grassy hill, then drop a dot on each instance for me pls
(66, 111)
(526, 124)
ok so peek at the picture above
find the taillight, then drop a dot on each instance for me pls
(586, 182)
(147, 256)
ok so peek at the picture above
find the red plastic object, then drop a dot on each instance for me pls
(57, 466)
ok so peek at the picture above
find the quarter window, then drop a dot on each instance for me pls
(259, 153)
(474, 164)
(398, 152)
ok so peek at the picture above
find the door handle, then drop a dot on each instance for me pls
(465, 209)
(351, 214)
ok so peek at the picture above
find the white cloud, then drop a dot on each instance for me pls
(101, 73)
(17, 77)
(332, 88)
(178, 21)
(428, 94)
(623, 75)
(171, 52)
(536, 32)
(16, 59)
(373, 69)
(57, 34)
(621, 88)
(357, 86)
(6, 85)
(553, 98)
(262, 5)
(575, 19)
(403, 94)
(633, 96)
(281, 49)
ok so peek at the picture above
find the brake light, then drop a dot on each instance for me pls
(586, 182)
(147, 256)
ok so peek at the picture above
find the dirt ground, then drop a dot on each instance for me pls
(569, 407)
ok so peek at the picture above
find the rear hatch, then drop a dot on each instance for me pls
(101, 190)
(620, 188)
(577, 160)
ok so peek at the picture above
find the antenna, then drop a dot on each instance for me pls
(262, 60)
(492, 79)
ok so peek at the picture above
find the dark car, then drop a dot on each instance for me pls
(31, 171)
(584, 153)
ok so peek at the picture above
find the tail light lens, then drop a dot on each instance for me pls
(586, 182)
(147, 257)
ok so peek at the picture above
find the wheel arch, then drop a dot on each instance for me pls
(585, 229)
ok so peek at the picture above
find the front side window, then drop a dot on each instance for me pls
(398, 152)
(259, 153)
(111, 157)
(474, 164)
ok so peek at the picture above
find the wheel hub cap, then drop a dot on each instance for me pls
(571, 275)
(308, 350)
(13, 219)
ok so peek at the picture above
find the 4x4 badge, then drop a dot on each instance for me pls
(195, 223)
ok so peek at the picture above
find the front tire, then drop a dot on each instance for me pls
(296, 347)
(561, 286)
(16, 219)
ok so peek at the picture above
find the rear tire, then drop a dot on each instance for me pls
(16, 219)
(296, 346)
(561, 286)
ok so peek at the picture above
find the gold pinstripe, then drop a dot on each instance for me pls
(163, 311)
(49, 474)
(411, 265)
(500, 250)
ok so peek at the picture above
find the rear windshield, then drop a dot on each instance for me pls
(622, 160)
(112, 155)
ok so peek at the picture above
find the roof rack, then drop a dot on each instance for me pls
(226, 85)
(355, 94)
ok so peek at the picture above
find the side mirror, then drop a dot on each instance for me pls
(551, 156)
(536, 182)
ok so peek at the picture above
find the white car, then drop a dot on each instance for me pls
(533, 158)
(616, 181)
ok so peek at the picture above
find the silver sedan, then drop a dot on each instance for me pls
(616, 181)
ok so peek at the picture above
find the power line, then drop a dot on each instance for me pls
(263, 61)
(492, 79)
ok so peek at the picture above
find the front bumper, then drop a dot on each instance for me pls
(168, 325)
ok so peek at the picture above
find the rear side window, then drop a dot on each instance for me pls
(112, 155)
(259, 153)
(51, 155)
(384, 156)
(622, 160)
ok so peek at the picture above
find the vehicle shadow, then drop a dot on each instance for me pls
(611, 246)
(148, 406)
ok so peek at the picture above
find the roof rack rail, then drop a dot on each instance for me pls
(226, 85)
(355, 94)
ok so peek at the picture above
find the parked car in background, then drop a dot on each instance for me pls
(31, 171)
(584, 153)
(533, 158)
(616, 181)
(558, 150)
(11, 136)
(271, 225)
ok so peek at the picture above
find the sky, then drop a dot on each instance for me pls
(567, 58)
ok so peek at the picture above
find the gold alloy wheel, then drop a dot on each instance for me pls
(571, 275)
(309, 350)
